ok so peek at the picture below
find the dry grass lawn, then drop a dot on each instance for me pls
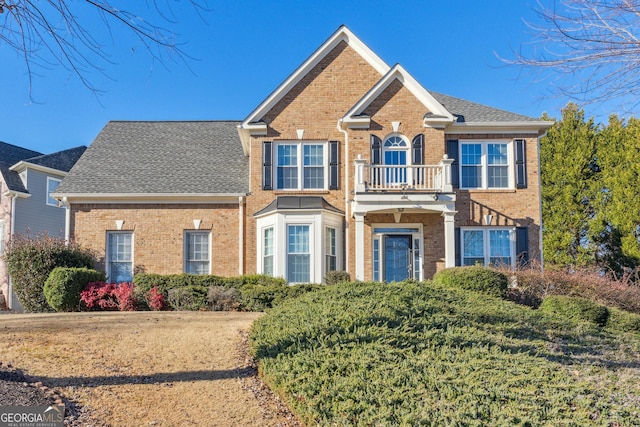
(141, 368)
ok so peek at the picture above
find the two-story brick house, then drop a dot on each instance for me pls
(349, 164)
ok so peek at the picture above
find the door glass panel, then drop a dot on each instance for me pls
(398, 258)
(395, 175)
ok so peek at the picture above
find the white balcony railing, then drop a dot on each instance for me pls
(403, 177)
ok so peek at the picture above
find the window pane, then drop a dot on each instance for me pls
(313, 155)
(471, 154)
(497, 154)
(313, 177)
(298, 256)
(499, 247)
(471, 176)
(52, 184)
(498, 177)
(395, 141)
(376, 260)
(287, 170)
(473, 247)
(330, 249)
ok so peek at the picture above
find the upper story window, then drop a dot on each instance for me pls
(486, 164)
(52, 184)
(301, 166)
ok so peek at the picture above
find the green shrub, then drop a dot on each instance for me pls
(576, 308)
(220, 298)
(335, 277)
(621, 320)
(476, 278)
(63, 286)
(30, 261)
(164, 282)
(190, 298)
(263, 297)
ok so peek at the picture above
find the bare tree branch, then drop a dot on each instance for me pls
(50, 33)
(591, 47)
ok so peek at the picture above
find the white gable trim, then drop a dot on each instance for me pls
(22, 165)
(251, 124)
(398, 73)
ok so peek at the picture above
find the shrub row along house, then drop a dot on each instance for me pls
(349, 164)
(27, 180)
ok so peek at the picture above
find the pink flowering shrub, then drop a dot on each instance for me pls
(109, 296)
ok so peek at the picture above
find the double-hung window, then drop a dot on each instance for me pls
(298, 254)
(120, 256)
(197, 253)
(301, 166)
(486, 164)
(52, 184)
(488, 246)
(267, 251)
(330, 249)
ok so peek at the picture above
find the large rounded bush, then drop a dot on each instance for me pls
(476, 278)
(63, 286)
(576, 308)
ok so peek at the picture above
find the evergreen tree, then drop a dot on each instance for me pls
(569, 177)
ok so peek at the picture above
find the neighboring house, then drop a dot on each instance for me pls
(349, 164)
(28, 179)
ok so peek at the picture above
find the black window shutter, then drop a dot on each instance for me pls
(522, 246)
(267, 174)
(458, 252)
(417, 147)
(452, 152)
(521, 164)
(334, 171)
(376, 150)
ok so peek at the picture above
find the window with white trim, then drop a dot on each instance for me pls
(267, 251)
(486, 164)
(52, 184)
(301, 165)
(119, 256)
(197, 252)
(298, 254)
(488, 246)
(330, 249)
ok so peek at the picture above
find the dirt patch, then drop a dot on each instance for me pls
(146, 368)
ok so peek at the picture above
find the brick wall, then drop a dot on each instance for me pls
(5, 215)
(158, 233)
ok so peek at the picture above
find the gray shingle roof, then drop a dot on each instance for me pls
(62, 160)
(9, 156)
(298, 202)
(161, 158)
(470, 112)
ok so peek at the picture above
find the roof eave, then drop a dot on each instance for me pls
(538, 127)
(22, 165)
(170, 198)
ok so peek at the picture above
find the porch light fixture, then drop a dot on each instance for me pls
(488, 219)
(119, 224)
(196, 224)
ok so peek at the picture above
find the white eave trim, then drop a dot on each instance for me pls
(341, 34)
(144, 198)
(16, 194)
(499, 127)
(398, 73)
(22, 165)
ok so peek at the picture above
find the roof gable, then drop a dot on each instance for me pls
(9, 155)
(355, 118)
(58, 163)
(252, 125)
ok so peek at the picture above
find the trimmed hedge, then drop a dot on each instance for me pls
(191, 298)
(261, 297)
(576, 308)
(63, 286)
(475, 278)
(621, 320)
(144, 282)
(335, 277)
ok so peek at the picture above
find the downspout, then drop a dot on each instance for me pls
(346, 194)
(67, 220)
(241, 234)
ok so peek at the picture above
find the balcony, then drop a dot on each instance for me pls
(403, 178)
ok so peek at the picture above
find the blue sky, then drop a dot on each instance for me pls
(242, 50)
